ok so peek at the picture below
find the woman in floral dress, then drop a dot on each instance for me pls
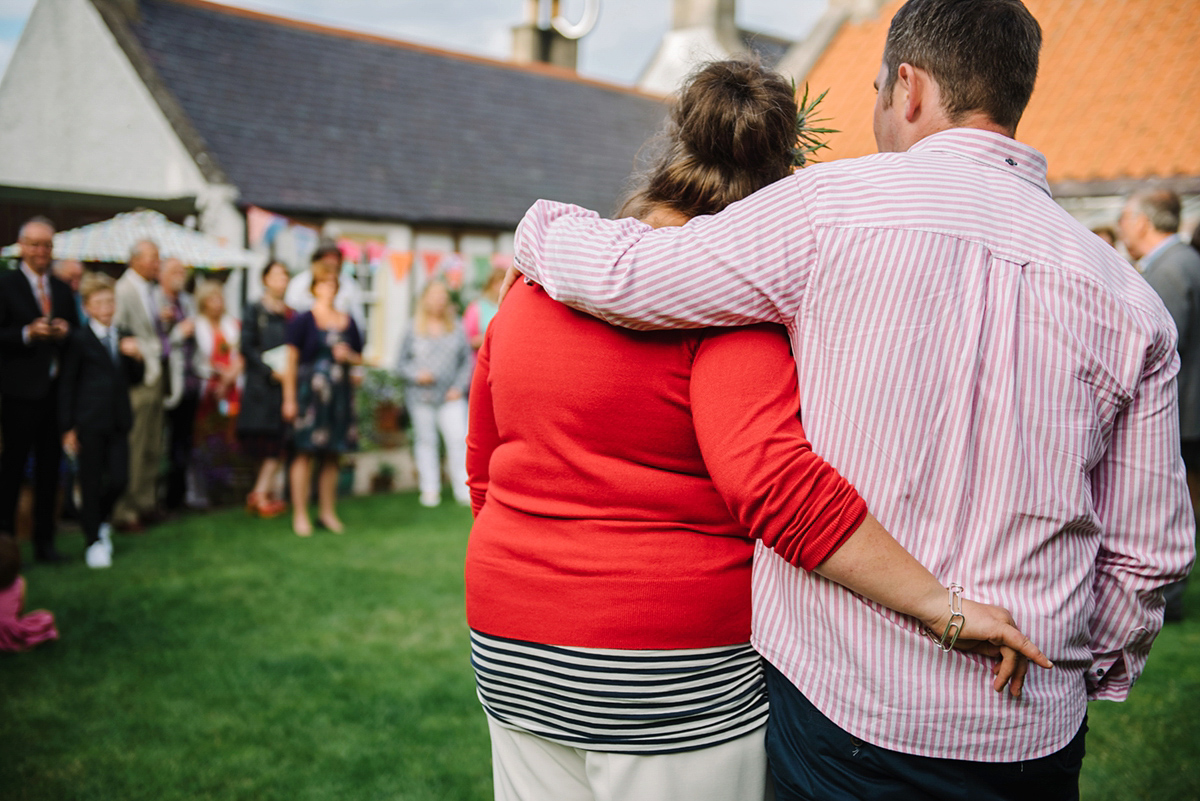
(318, 399)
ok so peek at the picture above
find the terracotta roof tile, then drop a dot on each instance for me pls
(1118, 93)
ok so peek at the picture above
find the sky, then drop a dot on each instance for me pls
(617, 50)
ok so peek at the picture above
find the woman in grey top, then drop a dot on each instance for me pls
(435, 362)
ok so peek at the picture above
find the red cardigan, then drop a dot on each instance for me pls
(618, 478)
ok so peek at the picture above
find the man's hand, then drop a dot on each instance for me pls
(59, 328)
(39, 330)
(343, 353)
(424, 377)
(453, 394)
(990, 631)
(129, 347)
(511, 277)
(289, 410)
(186, 328)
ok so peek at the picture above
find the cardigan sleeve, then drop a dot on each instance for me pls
(406, 363)
(482, 434)
(462, 358)
(744, 408)
(251, 342)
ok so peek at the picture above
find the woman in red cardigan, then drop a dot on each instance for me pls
(619, 480)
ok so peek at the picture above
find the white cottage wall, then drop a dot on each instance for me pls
(78, 117)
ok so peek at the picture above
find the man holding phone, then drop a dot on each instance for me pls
(37, 313)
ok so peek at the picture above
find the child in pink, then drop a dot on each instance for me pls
(17, 632)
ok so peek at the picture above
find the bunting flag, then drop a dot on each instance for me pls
(482, 269)
(401, 261)
(502, 261)
(375, 251)
(263, 226)
(432, 259)
(453, 266)
(351, 250)
(305, 240)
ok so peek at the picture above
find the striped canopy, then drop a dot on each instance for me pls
(111, 241)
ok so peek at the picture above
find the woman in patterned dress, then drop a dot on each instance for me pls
(324, 345)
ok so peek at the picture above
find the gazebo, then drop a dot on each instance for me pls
(111, 240)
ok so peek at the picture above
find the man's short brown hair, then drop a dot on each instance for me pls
(982, 53)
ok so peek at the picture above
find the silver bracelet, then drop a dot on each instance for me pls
(950, 636)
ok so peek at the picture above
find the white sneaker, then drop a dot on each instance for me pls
(431, 499)
(106, 537)
(98, 555)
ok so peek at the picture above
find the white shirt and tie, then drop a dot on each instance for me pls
(40, 285)
(107, 336)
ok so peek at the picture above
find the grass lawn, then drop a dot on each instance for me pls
(224, 658)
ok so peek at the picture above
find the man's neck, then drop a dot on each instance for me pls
(38, 274)
(975, 120)
(1153, 240)
(1151, 245)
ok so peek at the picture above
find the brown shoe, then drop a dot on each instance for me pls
(129, 526)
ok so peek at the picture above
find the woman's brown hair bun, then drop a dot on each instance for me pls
(732, 132)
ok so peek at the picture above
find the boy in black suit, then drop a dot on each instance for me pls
(95, 414)
(37, 312)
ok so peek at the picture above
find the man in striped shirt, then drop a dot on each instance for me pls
(995, 380)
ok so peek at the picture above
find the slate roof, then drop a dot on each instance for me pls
(316, 121)
(1115, 102)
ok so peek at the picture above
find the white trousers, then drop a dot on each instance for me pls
(526, 767)
(450, 418)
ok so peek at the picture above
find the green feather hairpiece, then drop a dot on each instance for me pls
(809, 137)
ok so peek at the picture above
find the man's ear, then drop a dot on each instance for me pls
(912, 84)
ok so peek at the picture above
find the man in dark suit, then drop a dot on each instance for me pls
(95, 414)
(1149, 228)
(37, 313)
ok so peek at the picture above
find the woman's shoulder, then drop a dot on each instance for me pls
(301, 323)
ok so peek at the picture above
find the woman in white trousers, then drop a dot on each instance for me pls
(435, 362)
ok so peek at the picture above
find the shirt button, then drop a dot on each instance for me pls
(1100, 672)
(1010, 162)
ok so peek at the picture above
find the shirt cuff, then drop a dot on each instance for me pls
(1107, 678)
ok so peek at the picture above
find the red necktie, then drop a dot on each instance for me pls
(44, 295)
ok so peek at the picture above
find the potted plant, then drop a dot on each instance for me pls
(384, 478)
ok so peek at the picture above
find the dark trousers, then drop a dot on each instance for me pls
(30, 426)
(103, 466)
(181, 423)
(812, 758)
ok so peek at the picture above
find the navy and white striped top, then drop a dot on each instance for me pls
(630, 702)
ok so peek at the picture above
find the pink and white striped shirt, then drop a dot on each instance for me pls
(992, 377)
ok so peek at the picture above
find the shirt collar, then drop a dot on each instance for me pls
(33, 278)
(136, 277)
(1149, 259)
(992, 149)
(99, 330)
